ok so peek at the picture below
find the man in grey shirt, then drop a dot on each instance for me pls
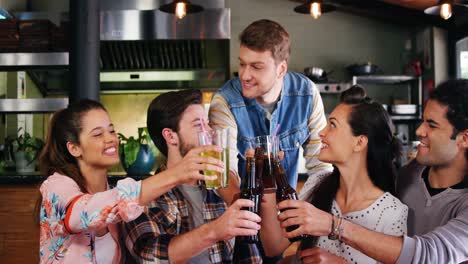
(434, 186)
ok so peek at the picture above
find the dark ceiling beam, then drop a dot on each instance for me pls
(390, 13)
(460, 15)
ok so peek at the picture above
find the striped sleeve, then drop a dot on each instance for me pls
(317, 122)
(220, 116)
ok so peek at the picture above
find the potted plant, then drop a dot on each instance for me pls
(24, 150)
(138, 155)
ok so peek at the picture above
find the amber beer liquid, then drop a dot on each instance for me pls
(220, 138)
(259, 166)
(213, 184)
(251, 190)
(267, 174)
(263, 164)
(284, 191)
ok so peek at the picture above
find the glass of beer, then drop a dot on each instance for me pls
(264, 150)
(218, 137)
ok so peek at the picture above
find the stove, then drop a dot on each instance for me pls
(333, 87)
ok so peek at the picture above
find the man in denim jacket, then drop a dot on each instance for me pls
(266, 95)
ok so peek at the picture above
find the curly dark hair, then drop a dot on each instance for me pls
(454, 94)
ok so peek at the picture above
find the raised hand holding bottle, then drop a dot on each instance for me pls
(284, 191)
(251, 190)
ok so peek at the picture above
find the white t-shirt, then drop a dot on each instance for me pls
(385, 215)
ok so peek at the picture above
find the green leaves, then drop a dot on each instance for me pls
(30, 145)
(129, 147)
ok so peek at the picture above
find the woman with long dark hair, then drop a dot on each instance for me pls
(358, 140)
(78, 212)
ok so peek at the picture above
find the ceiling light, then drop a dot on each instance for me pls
(443, 8)
(181, 8)
(315, 8)
(446, 11)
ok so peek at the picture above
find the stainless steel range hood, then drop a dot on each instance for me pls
(141, 48)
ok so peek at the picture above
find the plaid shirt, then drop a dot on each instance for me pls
(148, 237)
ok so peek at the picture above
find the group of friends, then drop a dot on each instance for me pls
(355, 206)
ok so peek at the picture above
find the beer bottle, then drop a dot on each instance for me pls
(259, 167)
(252, 190)
(267, 174)
(284, 191)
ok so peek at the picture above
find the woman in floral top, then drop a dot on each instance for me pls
(79, 213)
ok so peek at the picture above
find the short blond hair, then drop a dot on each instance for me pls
(263, 35)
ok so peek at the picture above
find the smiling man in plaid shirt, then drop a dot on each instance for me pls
(188, 224)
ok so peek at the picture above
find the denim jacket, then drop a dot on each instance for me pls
(293, 112)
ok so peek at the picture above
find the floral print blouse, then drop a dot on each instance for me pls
(69, 218)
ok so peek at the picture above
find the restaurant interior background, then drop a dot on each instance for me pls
(332, 42)
(336, 40)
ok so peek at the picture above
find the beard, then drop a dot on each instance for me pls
(184, 147)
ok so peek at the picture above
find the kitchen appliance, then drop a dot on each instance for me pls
(141, 48)
(362, 69)
(323, 83)
(317, 74)
(333, 87)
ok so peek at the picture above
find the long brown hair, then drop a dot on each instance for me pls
(367, 118)
(65, 126)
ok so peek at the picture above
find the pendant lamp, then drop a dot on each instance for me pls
(315, 8)
(181, 8)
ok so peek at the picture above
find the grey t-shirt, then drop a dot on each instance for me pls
(437, 225)
(195, 196)
(269, 108)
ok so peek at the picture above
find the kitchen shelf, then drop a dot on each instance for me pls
(405, 125)
(36, 105)
(33, 60)
(405, 117)
(411, 83)
(383, 79)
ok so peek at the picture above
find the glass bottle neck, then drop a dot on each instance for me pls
(280, 175)
(250, 177)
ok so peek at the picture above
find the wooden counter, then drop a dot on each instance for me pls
(19, 235)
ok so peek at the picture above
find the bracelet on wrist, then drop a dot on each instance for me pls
(337, 229)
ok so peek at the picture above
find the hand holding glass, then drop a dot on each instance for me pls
(221, 139)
